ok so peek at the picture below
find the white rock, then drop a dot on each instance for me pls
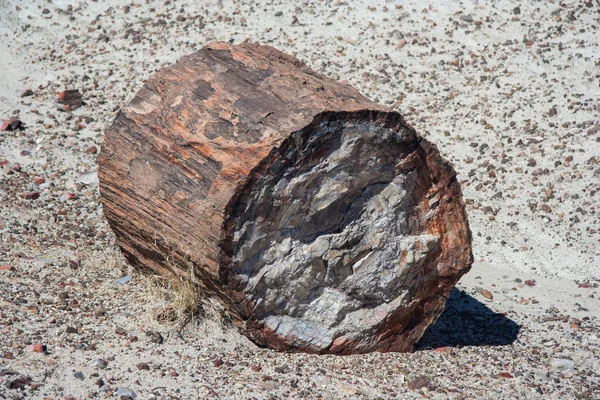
(89, 178)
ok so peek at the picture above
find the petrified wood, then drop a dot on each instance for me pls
(321, 220)
(69, 100)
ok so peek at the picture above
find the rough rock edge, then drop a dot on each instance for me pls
(393, 335)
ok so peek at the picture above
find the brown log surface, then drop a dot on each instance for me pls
(182, 167)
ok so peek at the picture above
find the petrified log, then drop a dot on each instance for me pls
(321, 220)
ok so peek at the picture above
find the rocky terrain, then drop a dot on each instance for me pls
(510, 92)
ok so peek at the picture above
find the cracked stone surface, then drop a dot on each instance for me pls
(325, 251)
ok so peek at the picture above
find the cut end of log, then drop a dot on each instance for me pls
(330, 236)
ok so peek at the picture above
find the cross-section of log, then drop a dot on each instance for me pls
(321, 220)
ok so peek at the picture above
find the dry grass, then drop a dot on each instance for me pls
(182, 300)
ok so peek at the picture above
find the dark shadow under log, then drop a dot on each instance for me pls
(468, 322)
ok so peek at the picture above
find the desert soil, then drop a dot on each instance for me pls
(510, 92)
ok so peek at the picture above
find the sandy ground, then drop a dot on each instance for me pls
(510, 92)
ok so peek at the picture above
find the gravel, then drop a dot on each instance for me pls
(509, 92)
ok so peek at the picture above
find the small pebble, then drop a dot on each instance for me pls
(99, 363)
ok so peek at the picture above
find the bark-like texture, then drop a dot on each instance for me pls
(321, 220)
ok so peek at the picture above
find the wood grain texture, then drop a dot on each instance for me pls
(181, 163)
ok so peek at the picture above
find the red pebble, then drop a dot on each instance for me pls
(68, 196)
(30, 195)
(10, 124)
(36, 348)
(445, 349)
(217, 362)
(91, 150)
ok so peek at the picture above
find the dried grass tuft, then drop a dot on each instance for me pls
(182, 300)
